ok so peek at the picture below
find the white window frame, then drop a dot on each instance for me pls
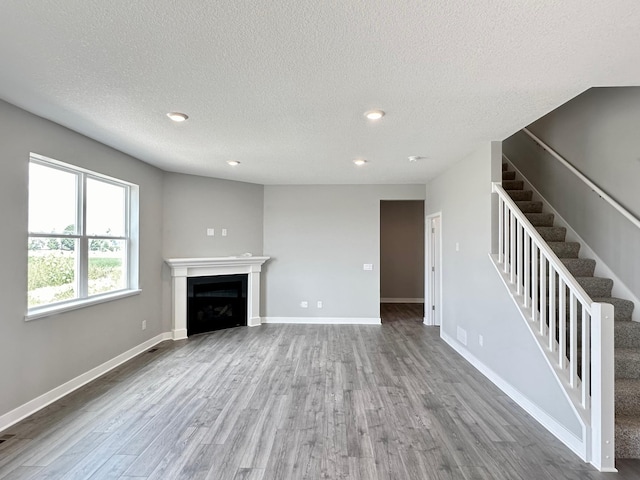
(130, 238)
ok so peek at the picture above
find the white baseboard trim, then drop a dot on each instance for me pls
(323, 320)
(402, 300)
(575, 444)
(179, 334)
(428, 322)
(32, 406)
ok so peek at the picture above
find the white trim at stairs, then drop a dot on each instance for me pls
(32, 406)
(323, 320)
(401, 300)
(619, 289)
(567, 437)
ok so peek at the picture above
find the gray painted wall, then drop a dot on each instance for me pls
(192, 204)
(319, 237)
(42, 354)
(474, 297)
(402, 249)
(597, 133)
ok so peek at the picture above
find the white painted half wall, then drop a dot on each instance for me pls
(319, 237)
(476, 302)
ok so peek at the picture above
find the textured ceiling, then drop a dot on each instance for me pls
(282, 85)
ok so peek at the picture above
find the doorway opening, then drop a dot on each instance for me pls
(402, 259)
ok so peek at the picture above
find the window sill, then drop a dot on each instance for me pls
(47, 311)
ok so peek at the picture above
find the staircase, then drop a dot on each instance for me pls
(627, 332)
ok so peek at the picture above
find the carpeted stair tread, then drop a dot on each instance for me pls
(512, 184)
(506, 175)
(627, 362)
(540, 219)
(529, 206)
(596, 286)
(627, 436)
(627, 399)
(552, 234)
(565, 249)
(580, 267)
(627, 335)
(623, 308)
(520, 195)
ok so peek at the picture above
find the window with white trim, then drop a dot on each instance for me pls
(80, 244)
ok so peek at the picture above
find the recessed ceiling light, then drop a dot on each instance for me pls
(359, 161)
(233, 163)
(415, 158)
(374, 114)
(177, 116)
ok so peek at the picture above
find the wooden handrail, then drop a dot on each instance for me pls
(606, 197)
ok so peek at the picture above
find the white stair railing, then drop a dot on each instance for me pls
(574, 333)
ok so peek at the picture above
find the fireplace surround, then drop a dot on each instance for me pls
(183, 268)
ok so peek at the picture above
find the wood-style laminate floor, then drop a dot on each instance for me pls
(281, 402)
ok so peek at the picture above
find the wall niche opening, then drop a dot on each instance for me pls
(216, 302)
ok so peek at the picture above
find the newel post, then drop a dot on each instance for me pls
(602, 388)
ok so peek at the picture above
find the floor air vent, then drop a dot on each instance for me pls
(152, 350)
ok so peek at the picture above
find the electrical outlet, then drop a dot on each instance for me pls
(319, 303)
(144, 324)
(304, 304)
(367, 266)
(224, 232)
(462, 336)
(481, 340)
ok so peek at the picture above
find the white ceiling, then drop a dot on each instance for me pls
(282, 85)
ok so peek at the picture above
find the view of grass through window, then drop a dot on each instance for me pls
(52, 267)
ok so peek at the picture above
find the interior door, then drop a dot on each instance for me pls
(433, 313)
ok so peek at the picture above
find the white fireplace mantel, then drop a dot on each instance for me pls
(182, 268)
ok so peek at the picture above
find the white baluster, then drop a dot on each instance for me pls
(586, 359)
(551, 333)
(500, 230)
(519, 254)
(507, 240)
(527, 270)
(535, 281)
(543, 294)
(573, 340)
(562, 324)
(512, 226)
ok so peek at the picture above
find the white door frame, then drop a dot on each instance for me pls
(433, 270)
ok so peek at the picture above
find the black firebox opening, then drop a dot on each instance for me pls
(216, 302)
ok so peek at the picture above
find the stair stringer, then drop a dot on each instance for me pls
(580, 447)
(619, 290)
